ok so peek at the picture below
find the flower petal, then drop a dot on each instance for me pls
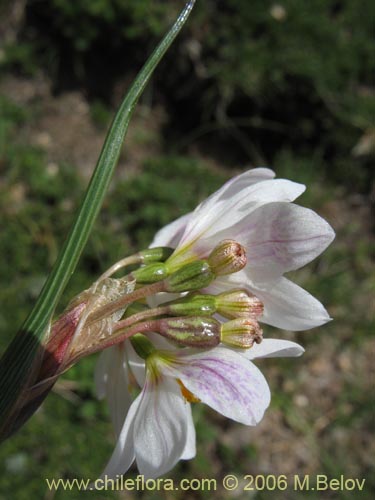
(281, 237)
(274, 348)
(225, 381)
(160, 430)
(135, 363)
(288, 306)
(234, 186)
(190, 448)
(228, 282)
(170, 235)
(217, 214)
(101, 374)
(112, 381)
(124, 453)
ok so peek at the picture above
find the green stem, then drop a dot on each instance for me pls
(127, 261)
(19, 362)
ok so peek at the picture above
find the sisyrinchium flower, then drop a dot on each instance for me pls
(222, 275)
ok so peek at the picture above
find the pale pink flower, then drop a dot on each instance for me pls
(256, 210)
(158, 429)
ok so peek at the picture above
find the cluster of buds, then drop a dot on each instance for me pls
(194, 319)
(114, 309)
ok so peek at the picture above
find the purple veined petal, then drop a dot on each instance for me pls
(225, 381)
(288, 306)
(231, 188)
(124, 453)
(282, 190)
(190, 449)
(225, 218)
(248, 200)
(170, 235)
(160, 430)
(274, 348)
(235, 185)
(112, 382)
(281, 237)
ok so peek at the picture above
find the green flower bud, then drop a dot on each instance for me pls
(194, 332)
(192, 305)
(190, 277)
(157, 254)
(241, 332)
(142, 346)
(227, 257)
(150, 273)
(239, 304)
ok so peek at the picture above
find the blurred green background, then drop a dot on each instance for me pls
(281, 84)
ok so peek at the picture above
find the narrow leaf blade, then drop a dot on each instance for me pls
(19, 359)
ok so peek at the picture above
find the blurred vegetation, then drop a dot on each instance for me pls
(256, 78)
(287, 84)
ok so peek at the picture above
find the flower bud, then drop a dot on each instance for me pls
(193, 331)
(190, 277)
(150, 273)
(142, 346)
(239, 304)
(157, 254)
(193, 305)
(241, 332)
(227, 257)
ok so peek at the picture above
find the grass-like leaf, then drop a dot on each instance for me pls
(19, 359)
